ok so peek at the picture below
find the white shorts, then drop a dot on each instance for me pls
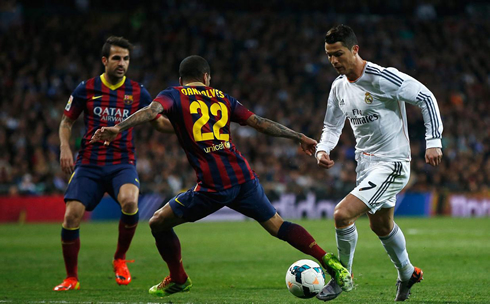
(378, 182)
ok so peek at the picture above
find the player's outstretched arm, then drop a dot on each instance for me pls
(163, 125)
(143, 115)
(66, 156)
(275, 129)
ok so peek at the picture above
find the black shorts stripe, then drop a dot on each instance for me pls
(384, 186)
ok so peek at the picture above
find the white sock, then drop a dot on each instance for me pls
(346, 245)
(395, 245)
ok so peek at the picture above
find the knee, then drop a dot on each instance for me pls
(72, 220)
(341, 217)
(154, 222)
(129, 204)
(158, 222)
(381, 229)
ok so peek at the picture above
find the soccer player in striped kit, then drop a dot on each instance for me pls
(201, 117)
(373, 99)
(105, 100)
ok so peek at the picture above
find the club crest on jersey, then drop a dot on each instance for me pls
(368, 98)
(128, 99)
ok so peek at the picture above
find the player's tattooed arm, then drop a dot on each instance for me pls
(66, 156)
(273, 128)
(108, 134)
(65, 130)
(143, 115)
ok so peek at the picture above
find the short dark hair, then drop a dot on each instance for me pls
(193, 68)
(342, 33)
(117, 41)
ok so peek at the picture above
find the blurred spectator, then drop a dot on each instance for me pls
(270, 56)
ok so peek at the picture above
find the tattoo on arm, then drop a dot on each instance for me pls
(65, 131)
(145, 114)
(273, 128)
(66, 123)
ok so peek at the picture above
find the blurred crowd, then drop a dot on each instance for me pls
(270, 57)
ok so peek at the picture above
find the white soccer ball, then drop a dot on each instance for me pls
(305, 278)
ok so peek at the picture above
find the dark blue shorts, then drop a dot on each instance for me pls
(249, 199)
(89, 183)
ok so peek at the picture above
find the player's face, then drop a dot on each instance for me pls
(118, 62)
(342, 59)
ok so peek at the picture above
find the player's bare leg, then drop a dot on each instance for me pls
(391, 236)
(128, 199)
(302, 240)
(70, 243)
(168, 245)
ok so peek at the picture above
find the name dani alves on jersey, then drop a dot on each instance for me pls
(209, 93)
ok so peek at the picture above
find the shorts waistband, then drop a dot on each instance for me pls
(377, 158)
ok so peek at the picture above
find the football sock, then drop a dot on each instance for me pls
(346, 245)
(395, 246)
(70, 244)
(300, 239)
(168, 245)
(127, 228)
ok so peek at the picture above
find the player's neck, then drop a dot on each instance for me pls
(194, 84)
(357, 71)
(112, 80)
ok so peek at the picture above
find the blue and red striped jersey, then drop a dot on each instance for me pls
(201, 119)
(104, 105)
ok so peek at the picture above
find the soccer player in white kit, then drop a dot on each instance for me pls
(373, 99)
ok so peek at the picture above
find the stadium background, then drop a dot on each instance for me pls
(270, 56)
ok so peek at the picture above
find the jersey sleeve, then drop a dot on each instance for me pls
(76, 103)
(239, 113)
(145, 99)
(166, 100)
(332, 124)
(414, 92)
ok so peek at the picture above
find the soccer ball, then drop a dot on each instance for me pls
(305, 279)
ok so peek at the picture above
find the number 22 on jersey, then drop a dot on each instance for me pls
(199, 135)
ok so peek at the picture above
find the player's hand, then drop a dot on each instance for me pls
(308, 144)
(106, 134)
(66, 160)
(323, 160)
(433, 156)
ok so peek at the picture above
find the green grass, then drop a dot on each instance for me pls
(238, 262)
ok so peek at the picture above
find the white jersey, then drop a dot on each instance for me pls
(374, 104)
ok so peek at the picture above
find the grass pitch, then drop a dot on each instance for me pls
(238, 262)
